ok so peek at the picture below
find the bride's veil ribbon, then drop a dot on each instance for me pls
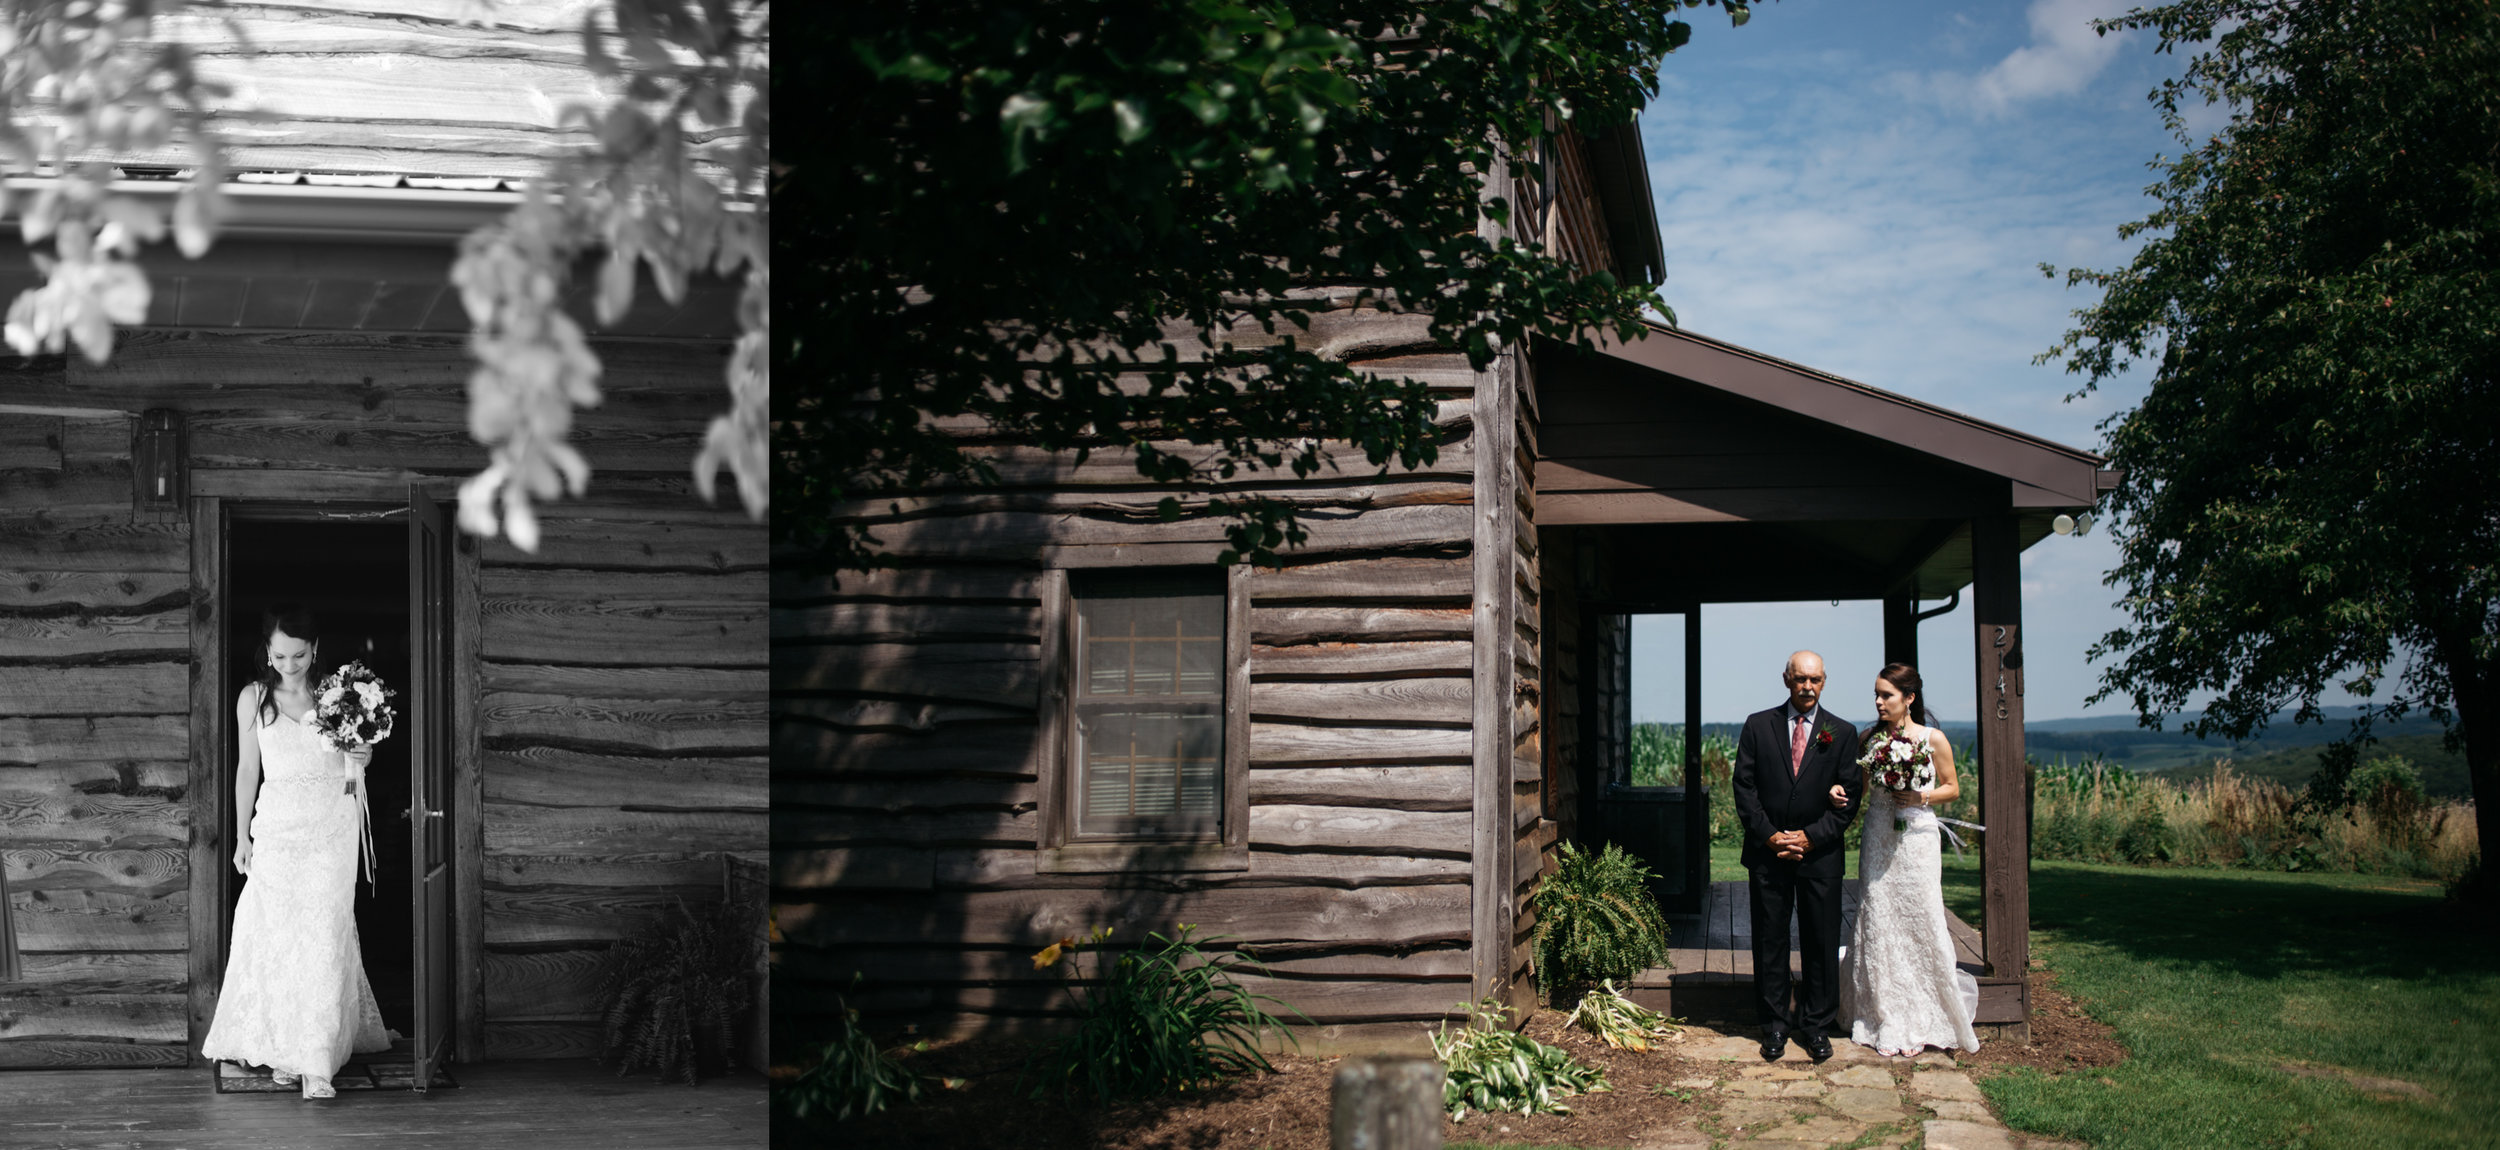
(1948, 831)
(364, 828)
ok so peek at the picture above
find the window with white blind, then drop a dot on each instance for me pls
(1148, 702)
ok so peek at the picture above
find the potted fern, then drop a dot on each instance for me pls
(1595, 920)
(673, 996)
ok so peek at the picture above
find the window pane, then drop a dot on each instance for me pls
(1155, 658)
(1144, 768)
(1107, 666)
(1152, 645)
(1202, 665)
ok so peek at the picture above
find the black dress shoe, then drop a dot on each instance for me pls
(1818, 1047)
(1774, 1044)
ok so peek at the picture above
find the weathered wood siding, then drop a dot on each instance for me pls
(1565, 215)
(911, 711)
(95, 820)
(619, 673)
(430, 87)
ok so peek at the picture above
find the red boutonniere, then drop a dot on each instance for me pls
(1823, 737)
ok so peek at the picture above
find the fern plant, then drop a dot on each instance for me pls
(672, 995)
(1595, 920)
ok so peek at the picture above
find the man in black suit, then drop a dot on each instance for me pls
(1786, 762)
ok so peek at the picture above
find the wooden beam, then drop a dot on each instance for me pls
(1496, 542)
(468, 802)
(1696, 811)
(1764, 504)
(2005, 860)
(211, 716)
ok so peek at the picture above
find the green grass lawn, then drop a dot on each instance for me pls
(2222, 984)
(1724, 866)
(2225, 985)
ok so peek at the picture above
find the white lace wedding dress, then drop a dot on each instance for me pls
(1899, 987)
(295, 997)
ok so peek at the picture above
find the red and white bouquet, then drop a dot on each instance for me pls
(351, 710)
(1896, 762)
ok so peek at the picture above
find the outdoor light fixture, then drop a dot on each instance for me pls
(159, 462)
(2063, 524)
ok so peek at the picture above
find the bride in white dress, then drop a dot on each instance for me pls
(295, 997)
(1899, 987)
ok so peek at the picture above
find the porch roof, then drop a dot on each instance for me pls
(1730, 475)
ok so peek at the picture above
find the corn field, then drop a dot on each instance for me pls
(1658, 761)
(2095, 812)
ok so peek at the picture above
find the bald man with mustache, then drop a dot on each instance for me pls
(1787, 760)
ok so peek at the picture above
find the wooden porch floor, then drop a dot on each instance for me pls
(1712, 956)
(542, 1105)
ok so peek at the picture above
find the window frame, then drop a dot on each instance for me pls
(1059, 848)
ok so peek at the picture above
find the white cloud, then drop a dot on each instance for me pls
(1830, 199)
(2063, 57)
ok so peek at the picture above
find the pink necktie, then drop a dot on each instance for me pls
(1797, 748)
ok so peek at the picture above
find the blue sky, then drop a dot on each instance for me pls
(1869, 189)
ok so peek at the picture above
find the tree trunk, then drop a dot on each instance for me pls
(2478, 719)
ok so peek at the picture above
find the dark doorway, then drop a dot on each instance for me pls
(353, 576)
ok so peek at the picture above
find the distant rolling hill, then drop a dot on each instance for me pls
(2286, 753)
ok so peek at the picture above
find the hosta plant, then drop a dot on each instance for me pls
(1595, 920)
(1488, 1066)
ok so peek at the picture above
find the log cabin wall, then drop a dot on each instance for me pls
(438, 89)
(1568, 217)
(618, 679)
(913, 717)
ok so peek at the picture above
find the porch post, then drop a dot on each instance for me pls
(1901, 628)
(1696, 806)
(2004, 786)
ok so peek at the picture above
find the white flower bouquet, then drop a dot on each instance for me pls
(351, 709)
(1896, 763)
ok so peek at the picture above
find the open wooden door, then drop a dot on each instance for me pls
(428, 716)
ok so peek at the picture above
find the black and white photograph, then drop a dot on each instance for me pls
(383, 574)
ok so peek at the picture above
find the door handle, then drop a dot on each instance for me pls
(405, 812)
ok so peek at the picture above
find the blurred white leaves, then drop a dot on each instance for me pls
(85, 78)
(649, 202)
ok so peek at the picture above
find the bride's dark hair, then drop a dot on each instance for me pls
(1902, 676)
(298, 623)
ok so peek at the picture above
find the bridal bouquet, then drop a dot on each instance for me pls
(1894, 762)
(349, 710)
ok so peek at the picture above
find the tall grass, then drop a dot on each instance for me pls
(2096, 812)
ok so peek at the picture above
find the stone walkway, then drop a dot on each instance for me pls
(1858, 1099)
